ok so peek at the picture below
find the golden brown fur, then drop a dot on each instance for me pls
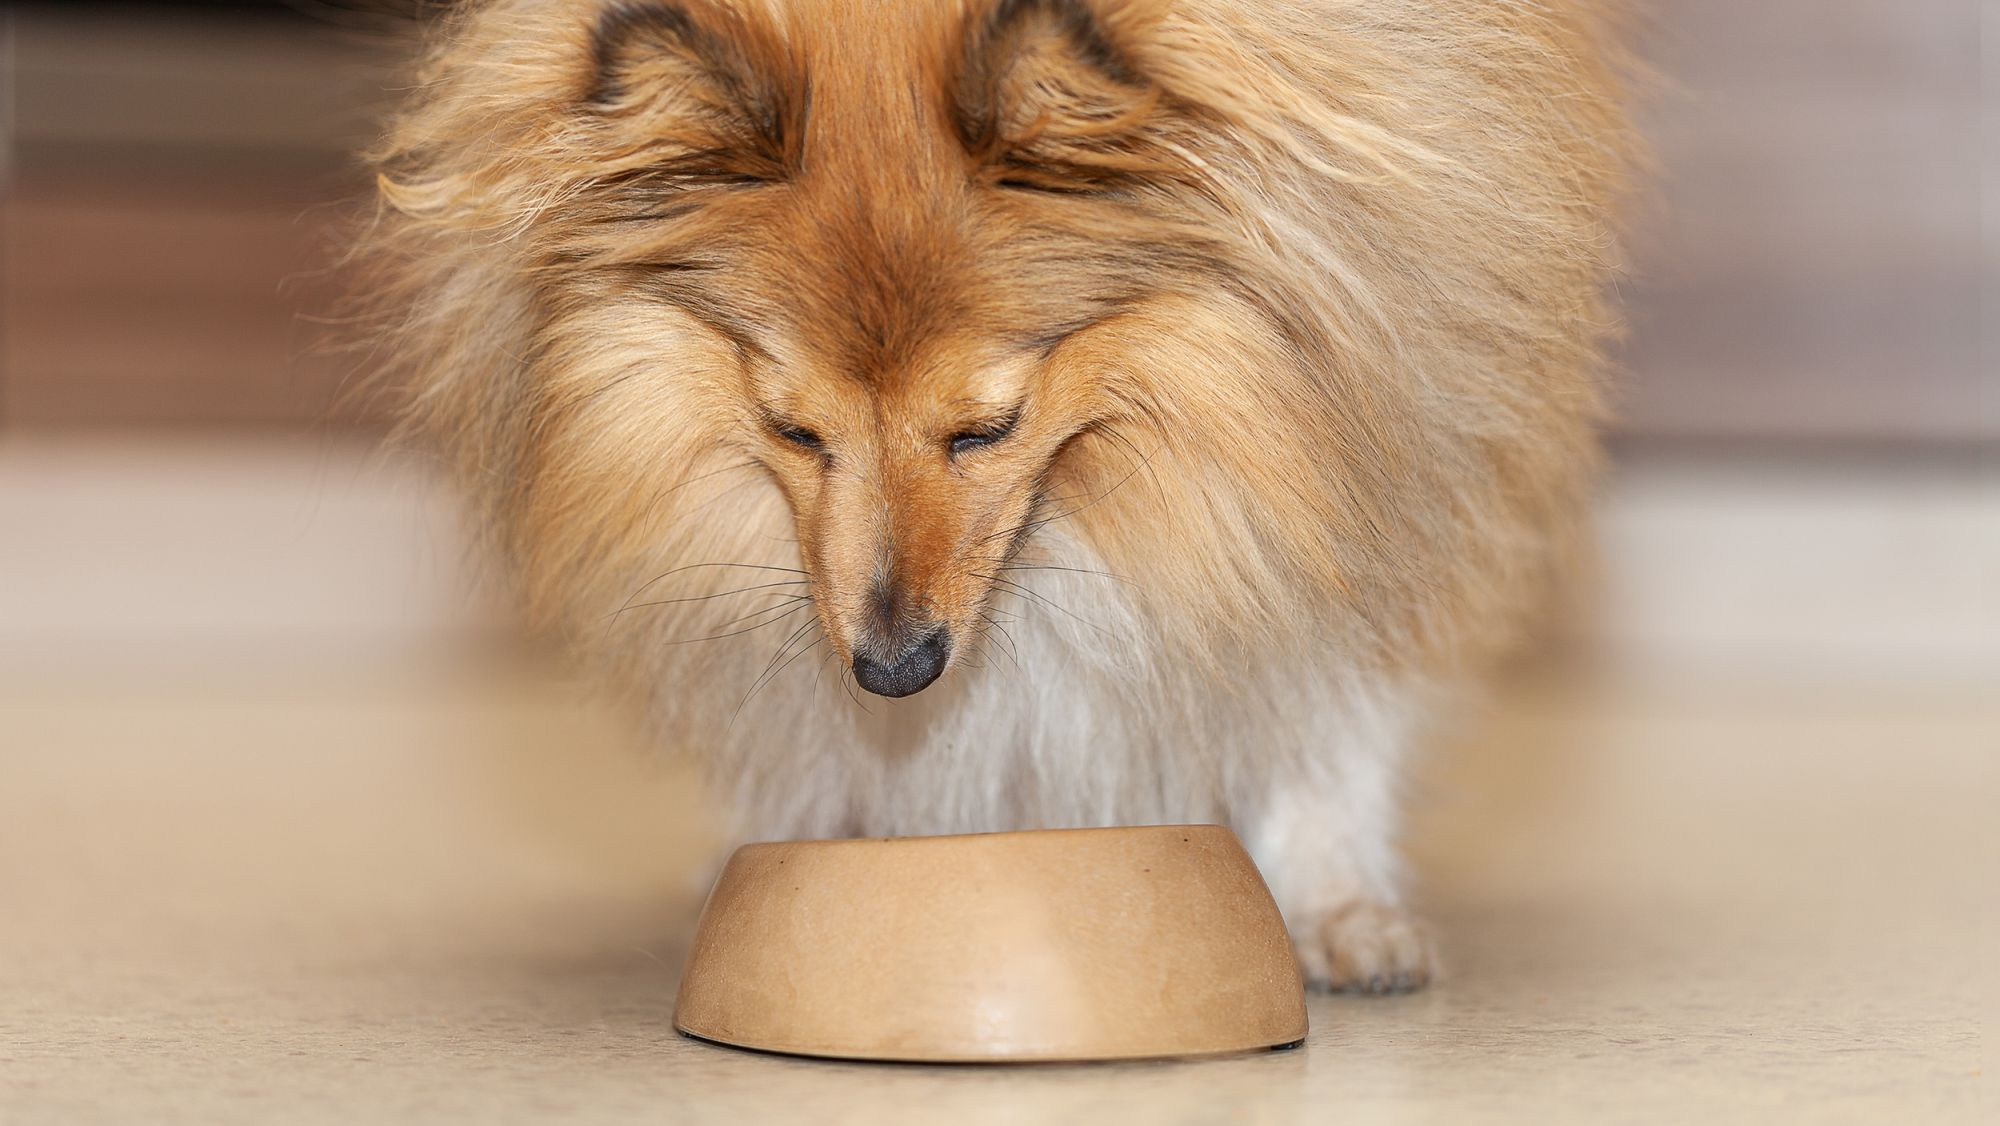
(1286, 315)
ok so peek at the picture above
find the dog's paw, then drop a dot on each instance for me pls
(1365, 947)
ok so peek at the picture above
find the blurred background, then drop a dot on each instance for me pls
(273, 772)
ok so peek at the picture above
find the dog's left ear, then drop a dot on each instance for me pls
(1047, 94)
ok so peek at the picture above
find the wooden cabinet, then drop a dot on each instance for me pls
(1812, 265)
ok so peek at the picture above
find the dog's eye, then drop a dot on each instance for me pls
(801, 437)
(978, 436)
(1034, 186)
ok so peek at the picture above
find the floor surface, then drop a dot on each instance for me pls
(288, 833)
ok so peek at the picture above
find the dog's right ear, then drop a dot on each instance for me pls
(701, 81)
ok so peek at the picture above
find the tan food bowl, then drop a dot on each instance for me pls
(1089, 944)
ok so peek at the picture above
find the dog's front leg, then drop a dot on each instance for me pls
(1322, 827)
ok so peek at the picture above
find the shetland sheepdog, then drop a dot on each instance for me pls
(963, 415)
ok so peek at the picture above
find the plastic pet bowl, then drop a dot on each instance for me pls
(1089, 944)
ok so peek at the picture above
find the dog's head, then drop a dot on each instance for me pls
(876, 241)
(893, 229)
(941, 273)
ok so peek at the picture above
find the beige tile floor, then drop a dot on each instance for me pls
(282, 839)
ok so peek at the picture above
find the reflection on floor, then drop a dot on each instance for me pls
(286, 833)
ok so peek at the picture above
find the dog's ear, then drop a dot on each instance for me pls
(702, 83)
(1047, 95)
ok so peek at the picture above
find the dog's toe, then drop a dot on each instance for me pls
(1365, 947)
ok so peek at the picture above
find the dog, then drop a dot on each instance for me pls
(967, 415)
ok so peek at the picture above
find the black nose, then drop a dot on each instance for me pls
(911, 672)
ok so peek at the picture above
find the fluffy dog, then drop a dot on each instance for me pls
(1158, 407)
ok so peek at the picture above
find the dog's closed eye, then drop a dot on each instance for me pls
(982, 435)
(801, 437)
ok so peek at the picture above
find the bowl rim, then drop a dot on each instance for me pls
(942, 838)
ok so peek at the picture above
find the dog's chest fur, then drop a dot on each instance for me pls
(1072, 713)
